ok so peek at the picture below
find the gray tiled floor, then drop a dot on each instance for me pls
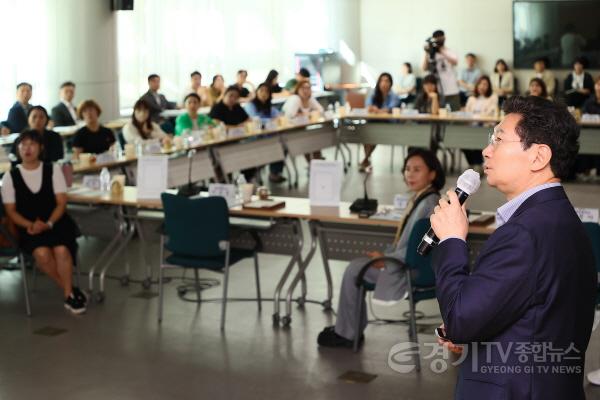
(118, 351)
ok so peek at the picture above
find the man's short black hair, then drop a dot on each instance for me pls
(152, 76)
(233, 88)
(304, 72)
(471, 55)
(438, 33)
(67, 84)
(24, 84)
(544, 60)
(195, 73)
(550, 123)
(242, 71)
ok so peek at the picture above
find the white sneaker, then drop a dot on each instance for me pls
(594, 377)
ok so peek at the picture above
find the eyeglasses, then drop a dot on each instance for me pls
(495, 141)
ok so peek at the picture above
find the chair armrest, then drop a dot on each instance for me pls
(363, 271)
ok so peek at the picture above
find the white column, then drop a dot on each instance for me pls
(82, 47)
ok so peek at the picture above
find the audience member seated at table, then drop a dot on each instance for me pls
(578, 84)
(17, 115)
(241, 81)
(428, 102)
(537, 87)
(195, 86)
(141, 127)
(592, 104)
(93, 137)
(468, 78)
(424, 177)
(381, 101)
(65, 112)
(503, 82)
(483, 103)
(157, 102)
(407, 84)
(301, 76)
(215, 91)
(302, 104)
(260, 106)
(541, 71)
(37, 120)
(273, 82)
(34, 196)
(191, 120)
(229, 111)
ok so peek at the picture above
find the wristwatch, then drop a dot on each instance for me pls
(50, 224)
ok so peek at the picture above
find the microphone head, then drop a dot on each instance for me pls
(469, 182)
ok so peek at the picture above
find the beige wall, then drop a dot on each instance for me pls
(393, 31)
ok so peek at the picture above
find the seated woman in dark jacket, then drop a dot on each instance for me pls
(34, 195)
(37, 119)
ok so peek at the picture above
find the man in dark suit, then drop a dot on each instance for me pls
(17, 115)
(157, 102)
(524, 314)
(65, 113)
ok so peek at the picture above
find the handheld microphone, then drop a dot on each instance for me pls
(467, 184)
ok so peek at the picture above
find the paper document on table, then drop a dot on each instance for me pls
(152, 172)
(325, 183)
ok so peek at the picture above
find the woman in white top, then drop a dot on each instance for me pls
(483, 103)
(407, 84)
(301, 103)
(503, 82)
(141, 127)
(34, 196)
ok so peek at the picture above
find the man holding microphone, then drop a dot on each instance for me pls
(524, 312)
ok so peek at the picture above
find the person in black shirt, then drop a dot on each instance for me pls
(578, 84)
(17, 115)
(93, 137)
(592, 104)
(37, 118)
(228, 110)
(273, 83)
(245, 94)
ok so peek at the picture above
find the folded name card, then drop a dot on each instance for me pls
(105, 158)
(588, 214)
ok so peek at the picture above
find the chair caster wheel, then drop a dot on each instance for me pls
(301, 302)
(275, 319)
(327, 305)
(147, 283)
(286, 320)
(124, 281)
(181, 292)
(99, 297)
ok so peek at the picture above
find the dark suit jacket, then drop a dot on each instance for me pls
(534, 282)
(17, 118)
(157, 108)
(61, 115)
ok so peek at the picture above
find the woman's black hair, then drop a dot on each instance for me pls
(194, 95)
(501, 61)
(141, 104)
(432, 162)
(378, 95)
(272, 75)
(409, 67)
(542, 84)
(263, 108)
(34, 136)
(428, 79)
(39, 108)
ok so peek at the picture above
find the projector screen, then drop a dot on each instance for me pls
(559, 31)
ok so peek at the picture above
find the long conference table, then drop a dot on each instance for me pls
(341, 235)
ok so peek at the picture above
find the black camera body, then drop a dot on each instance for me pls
(432, 46)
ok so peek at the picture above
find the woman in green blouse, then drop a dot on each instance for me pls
(191, 120)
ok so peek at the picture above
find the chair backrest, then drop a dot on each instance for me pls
(424, 276)
(418, 84)
(121, 139)
(194, 227)
(593, 231)
(355, 99)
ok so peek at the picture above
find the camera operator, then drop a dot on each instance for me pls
(440, 61)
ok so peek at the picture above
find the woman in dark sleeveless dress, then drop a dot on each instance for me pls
(34, 195)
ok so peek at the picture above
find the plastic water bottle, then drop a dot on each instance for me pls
(104, 180)
(337, 107)
(241, 180)
(448, 108)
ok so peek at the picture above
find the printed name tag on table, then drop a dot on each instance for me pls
(400, 202)
(588, 214)
(325, 183)
(226, 191)
(152, 173)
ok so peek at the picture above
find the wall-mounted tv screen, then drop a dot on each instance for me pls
(558, 31)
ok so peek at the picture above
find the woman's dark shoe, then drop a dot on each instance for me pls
(328, 338)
